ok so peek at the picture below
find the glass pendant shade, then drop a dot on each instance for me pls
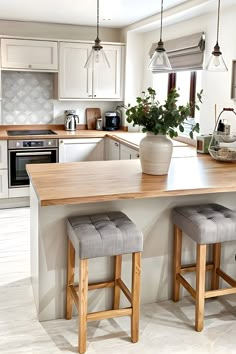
(159, 60)
(216, 62)
(97, 58)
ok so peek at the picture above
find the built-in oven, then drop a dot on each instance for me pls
(23, 152)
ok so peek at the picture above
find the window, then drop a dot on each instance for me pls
(188, 84)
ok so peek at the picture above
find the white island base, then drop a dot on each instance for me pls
(151, 215)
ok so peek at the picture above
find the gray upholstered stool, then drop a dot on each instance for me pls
(205, 224)
(110, 234)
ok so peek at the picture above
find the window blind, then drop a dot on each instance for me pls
(185, 53)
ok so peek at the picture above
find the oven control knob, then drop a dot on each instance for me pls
(17, 144)
(49, 143)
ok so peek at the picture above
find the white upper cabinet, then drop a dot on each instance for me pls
(76, 82)
(107, 83)
(29, 54)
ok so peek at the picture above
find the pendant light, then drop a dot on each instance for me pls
(216, 62)
(97, 55)
(160, 60)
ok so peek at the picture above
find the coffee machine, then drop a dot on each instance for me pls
(71, 119)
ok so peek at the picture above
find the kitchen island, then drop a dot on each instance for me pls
(62, 190)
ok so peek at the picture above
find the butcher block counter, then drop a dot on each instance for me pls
(96, 181)
(59, 191)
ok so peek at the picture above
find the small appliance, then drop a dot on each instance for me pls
(99, 124)
(203, 142)
(71, 119)
(111, 121)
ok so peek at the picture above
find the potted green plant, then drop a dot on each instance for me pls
(160, 121)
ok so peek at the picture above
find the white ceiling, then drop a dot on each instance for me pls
(117, 13)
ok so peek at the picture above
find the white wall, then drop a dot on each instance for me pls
(57, 31)
(216, 86)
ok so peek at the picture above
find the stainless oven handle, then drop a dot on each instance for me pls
(33, 153)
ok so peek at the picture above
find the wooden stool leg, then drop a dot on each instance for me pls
(136, 269)
(117, 275)
(177, 261)
(200, 287)
(70, 278)
(216, 261)
(83, 301)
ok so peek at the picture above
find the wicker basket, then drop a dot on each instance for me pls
(222, 146)
(223, 153)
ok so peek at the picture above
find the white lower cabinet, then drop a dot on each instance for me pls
(74, 150)
(113, 150)
(3, 170)
(127, 153)
(3, 154)
(3, 184)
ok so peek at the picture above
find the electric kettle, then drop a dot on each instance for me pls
(71, 119)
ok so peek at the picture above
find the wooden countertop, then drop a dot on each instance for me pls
(82, 182)
(60, 133)
(132, 140)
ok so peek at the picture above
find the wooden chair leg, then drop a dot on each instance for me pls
(136, 269)
(117, 275)
(177, 261)
(83, 304)
(200, 287)
(216, 261)
(70, 278)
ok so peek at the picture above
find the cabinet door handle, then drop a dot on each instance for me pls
(95, 95)
(30, 66)
(89, 95)
(116, 144)
(138, 156)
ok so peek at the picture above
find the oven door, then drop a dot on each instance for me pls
(18, 159)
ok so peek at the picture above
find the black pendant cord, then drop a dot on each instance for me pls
(218, 23)
(161, 20)
(97, 19)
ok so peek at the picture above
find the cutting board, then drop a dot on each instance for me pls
(91, 115)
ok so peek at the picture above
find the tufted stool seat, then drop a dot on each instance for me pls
(99, 235)
(209, 224)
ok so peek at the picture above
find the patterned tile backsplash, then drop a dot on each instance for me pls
(27, 98)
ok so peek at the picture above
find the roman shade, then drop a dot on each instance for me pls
(184, 53)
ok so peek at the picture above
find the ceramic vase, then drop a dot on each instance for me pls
(155, 154)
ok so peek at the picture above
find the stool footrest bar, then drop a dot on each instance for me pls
(97, 316)
(226, 277)
(186, 285)
(125, 290)
(220, 292)
(192, 268)
(74, 296)
(99, 285)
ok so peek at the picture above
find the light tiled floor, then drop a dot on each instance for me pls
(165, 327)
